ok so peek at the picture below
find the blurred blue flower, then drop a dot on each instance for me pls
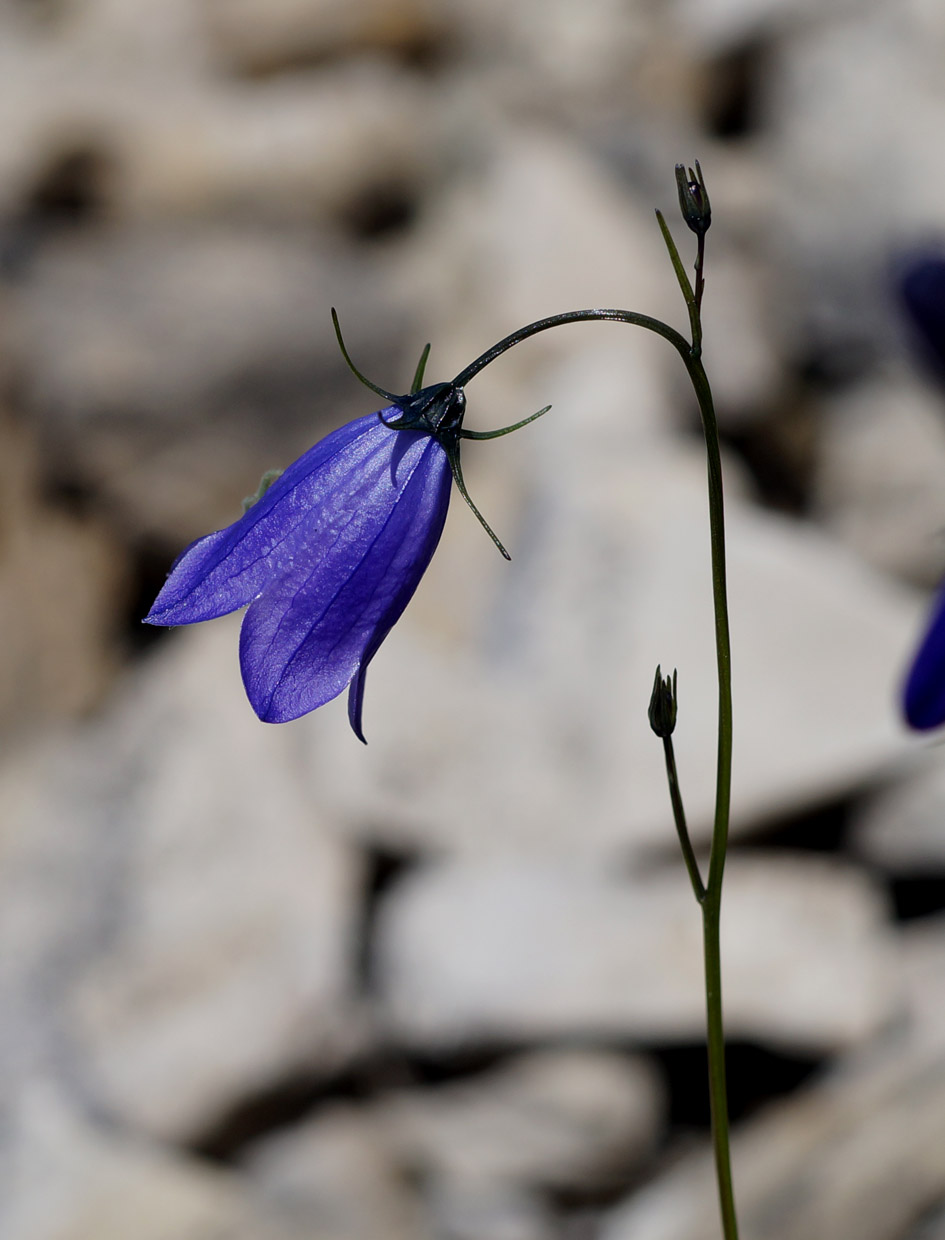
(328, 557)
(921, 281)
(924, 693)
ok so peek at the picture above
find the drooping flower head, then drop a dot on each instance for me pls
(329, 555)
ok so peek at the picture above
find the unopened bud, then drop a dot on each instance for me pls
(662, 710)
(693, 198)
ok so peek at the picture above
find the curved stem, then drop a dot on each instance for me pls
(690, 356)
(679, 343)
(679, 816)
(690, 352)
(712, 894)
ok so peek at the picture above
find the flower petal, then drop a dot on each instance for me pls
(922, 290)
(924, 695)
(227, 569)
(325, 615)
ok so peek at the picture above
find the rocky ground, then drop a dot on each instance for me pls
(261, 983)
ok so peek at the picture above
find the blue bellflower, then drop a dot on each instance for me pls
(330, 554)
(923, 699)
(921, 279)
(922, 293)
(327, 559)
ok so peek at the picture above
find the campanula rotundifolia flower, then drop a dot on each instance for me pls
(327, 557)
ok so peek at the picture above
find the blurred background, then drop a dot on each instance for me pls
(261, 983)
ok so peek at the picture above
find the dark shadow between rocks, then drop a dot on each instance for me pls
(756, 1076)
(734, 101)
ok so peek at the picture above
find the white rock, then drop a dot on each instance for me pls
(931, 1227)
(557, 1120)
(306, 149)
(922, 953)
(472, 951)
(133, 342)
(739, 338)
(89, 81)
(203, 940)
(900, 826)
(849, 168)
(713, 27)
(879, 471)
(511, 235)
(858, 1156)
(62, 1178)
(337, 1175)
(177, 138)
(59, 582)
(259, 36)
(464, 1211)
(586, 64)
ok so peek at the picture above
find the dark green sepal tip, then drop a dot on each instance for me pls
(693, 198)
(662, 709)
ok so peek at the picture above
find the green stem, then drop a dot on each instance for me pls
(679, 816)
(700, 282)
(712, 903)
(679, 343)
(715, 1038)
(711, 898)
(690, 352)
(723, 784)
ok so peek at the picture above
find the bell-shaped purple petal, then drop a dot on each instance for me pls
(924, 694)
(227, 569)
(305, 637)
(327, 559)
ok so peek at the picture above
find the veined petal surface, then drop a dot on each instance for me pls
(322, 618)
(229, 568)
(327, 559)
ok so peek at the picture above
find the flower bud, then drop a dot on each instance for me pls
(693, 198)
(662, 710)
